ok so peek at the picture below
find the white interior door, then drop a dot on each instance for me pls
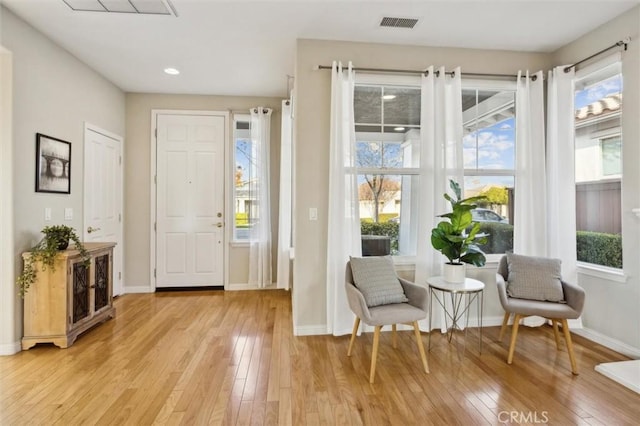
(103, 194)
(190, 200)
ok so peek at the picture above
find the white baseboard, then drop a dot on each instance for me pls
(241, 286)
(138, 289)
(10, 348)
(486, 321)
(496, 321)
(315, 330)
(311, 330)
(609, 342)
(244, 286)
(627, 373)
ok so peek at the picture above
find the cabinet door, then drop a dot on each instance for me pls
(80, 291)
(102, 276)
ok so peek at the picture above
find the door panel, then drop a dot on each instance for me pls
(103, 196)
(175, 199)
(190, 200)
(206, 249)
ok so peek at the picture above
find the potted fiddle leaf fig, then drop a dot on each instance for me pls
(458, 237)
(56, 238)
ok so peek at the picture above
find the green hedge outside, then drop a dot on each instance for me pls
(389, 229)
(382, 218)
(592, 247)
(599, 248)
(500, 237)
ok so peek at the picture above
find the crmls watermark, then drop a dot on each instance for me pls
(523, 417)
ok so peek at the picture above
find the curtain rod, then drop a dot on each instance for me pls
(624, 43)
(426, 72)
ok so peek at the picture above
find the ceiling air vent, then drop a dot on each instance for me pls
(148, 7)
(390, 22)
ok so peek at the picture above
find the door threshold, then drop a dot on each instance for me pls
(192, 288)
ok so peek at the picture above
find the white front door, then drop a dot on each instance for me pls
(190, 200)
(103, 194)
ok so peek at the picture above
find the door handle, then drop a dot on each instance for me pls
(219, 224)
(90, 230)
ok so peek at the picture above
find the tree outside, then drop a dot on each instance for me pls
(378, 189)
(495, 196)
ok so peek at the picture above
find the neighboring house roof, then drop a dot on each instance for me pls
(600, 109)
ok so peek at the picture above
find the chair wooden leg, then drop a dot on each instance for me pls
(356, 324)
(514, 334)
(394, 336)
(554, 322)
(423, 356)
(505, 321)
(374, 354)
(567, 337)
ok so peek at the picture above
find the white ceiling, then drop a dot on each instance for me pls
(244, 47)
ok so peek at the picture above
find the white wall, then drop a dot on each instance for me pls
(8, 297)
(138, 176)
(312, 105)
(612, 309)
(53, 93)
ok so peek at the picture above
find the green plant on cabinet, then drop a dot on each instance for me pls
(56, 238)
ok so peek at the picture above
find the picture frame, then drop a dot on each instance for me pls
(53, 165)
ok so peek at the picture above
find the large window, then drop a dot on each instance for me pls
(598, 166)
(387, 124)
(244, 180)
(488, 111)
(387, 120)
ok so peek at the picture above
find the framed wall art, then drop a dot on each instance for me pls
(53, 165)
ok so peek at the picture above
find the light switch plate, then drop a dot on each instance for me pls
(313, 213)
(47, 214)
(68, 213)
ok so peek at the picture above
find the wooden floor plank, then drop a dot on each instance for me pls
(230, 358)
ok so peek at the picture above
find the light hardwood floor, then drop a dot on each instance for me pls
(230, 358)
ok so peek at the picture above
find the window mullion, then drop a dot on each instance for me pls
(384, 170)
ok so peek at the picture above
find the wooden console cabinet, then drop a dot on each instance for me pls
(63, 303)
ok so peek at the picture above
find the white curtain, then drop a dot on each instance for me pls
(343, 234)
(530, 207)
(284, 223)
(440, 160)
(260, 233)
(561, 207)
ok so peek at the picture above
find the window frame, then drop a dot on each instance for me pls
(244, 118)
(496, 85)
(601, 143)
(367, 79)
(614, 62)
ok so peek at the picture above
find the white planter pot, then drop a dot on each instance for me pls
(454, 273)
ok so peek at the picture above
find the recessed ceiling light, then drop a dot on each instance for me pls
(171, 71)
(388, 97)
(398, 129)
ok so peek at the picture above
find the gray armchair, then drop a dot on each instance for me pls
(555, 312)
(391, 314)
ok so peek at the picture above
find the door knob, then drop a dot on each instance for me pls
(219, 224)
(90, 230)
